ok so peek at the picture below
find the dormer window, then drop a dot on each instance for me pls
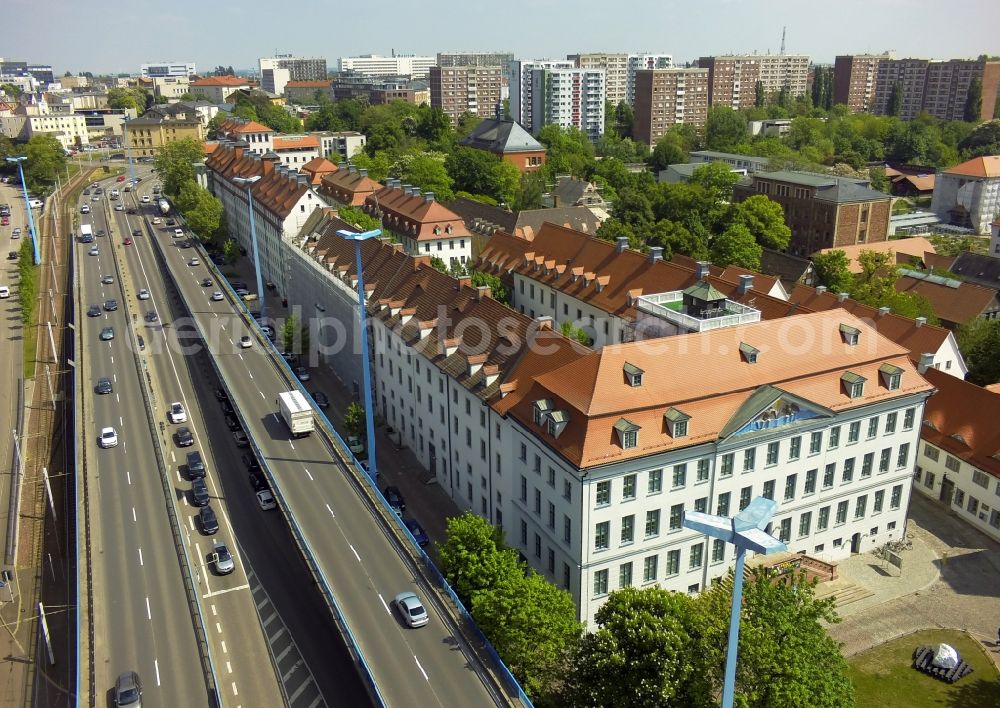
(449, 229)
(628, 433)
(891, 376)
(633, 375)
(854, 384)
(539, 410)
(437, 230)
(677, 422)
(749, 353)
(850, 335)
(556, 423)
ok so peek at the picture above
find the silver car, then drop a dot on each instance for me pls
(223, 559)
(128, 690)
(412, 609)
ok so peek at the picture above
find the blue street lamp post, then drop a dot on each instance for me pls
(128, 152)
(249, 181)
(365, 365)
(27, 206)
(745, 531)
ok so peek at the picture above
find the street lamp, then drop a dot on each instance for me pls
(745, 530)
(249, 181)
(365, 366)
(27, 205)
(128, 152)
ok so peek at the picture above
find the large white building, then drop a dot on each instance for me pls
(968, 194)
(558, 92)
(163, 69)
(643, 62)
(29, 120)
(415, 67)
(521, 85)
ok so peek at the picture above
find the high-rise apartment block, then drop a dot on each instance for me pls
(643, 62)
(854, 80)
(466, 89)
(521, 87)
(543, 92)
(168, 68)
(299, 68)
(664, 97)
(501, 59)
(939, 87)
(733, 78)
(374, 65)
(615, 68)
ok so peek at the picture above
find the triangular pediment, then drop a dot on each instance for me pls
(770, 408)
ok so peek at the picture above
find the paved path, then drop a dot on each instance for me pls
(951, 579)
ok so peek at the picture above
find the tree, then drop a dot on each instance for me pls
(433, 124)
(359, 219)
(354, 419)
(568, 151)
(379, 166)
(222, 71)
(736, 246)
(624, 119)
(724, 129)
(895, 105)
(46, 161)
(759, 98)
(230, 251)
(668, 151)
(470, 557)
(428, 173)
(973, 101)
(11, 90)
(174, 164)
(786, 656)
(717, 179)
(480, 172)
(204, 216)
(984, 140)
(642, 653)
(126, 98)
(876, 286)
(27, 290)
(571, 331)
(979, 342)
(215, 123)
(765, 219)
(531, 188)
(497, 289)
(833, 271)
(294, 336)
(674, 238)
(438, 264)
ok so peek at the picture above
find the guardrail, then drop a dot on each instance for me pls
(198, 615)
(74, 469)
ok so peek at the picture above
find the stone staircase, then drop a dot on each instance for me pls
(842, 591)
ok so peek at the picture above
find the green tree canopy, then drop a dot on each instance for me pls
(531, 188)
(724, 129)
(427, 172)
(174, 164)
(358, 218)
(480, 172)
(833, 270)
(973, 101)
(568, 151)
(674, 238)
(669, 150)
(736, 246)
(765, 219)
(46, 162)
(979, 342)
(984, 140)
(497, 289)
(202, 211)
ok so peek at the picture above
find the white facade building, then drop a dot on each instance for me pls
(566, 97)
(417, 67)
(520, 81)
(168, 68)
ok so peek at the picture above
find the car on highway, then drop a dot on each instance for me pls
(177, 414)
(128, 690)
(11, 255)
(85, 209)
(137, 232)
(5, 221)
(257, 480)
(223, 559)
(242, 292)
(170, 222)
(195, 464)
(394, 498)
(157, 220)
(145, 199)
(4, 292)
(94, 311)
(127, 241)
(95, 198)
(245, 342)
(411, 608)
(130, 210)
(100, 232)
(120, 178)
(321, 400)
(241, 439)
(111, 305)
(233, 423)
(104, 386)
(16, 233)
(109, 438)
(184, 437)
(93, 251)
(119, 207)
(207, 283)
(207, 520)
(178, 233)
(107, 334)
(266, 500)
(151, 316)
(86, 192)
(194, 262)
(144, 294)
(107, 279)
(417, 531)
(199, 492)
(302, 373)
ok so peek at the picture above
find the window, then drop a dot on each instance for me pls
(785, 530)
(655, 483)
(628, 487)
(848, 473)
(866, 464)
(931, 453)
(703, 470)
(745, 497)
(815, 443)
(952, 463)
(748, 459)
(790, 487)
(859, 506)
(772, 453)
(890, 423)
(538, 546)
(823, 519)
(625, 575)
(908, 418)
(630, 438)
(795, 449)
(552, 515)
(727, 465)
(841, 513)
(872, 427)
(653, 522)
(676, 514)
(600, 583)
(649, 569)
(567, 490)
(768, 492)
(973, 505)
(903, 455)
(524, 488)
(628, 528)
(959, 498)
(884, 458)
(680, 476)
(805, 524)
(718, 550)
(877, 503)
(551, 478)
(810, 486)
(538, 498)
(694, 560)
(673, 563)
(722, 505)
(980, 478)
(854, 432)
(567, 529)
(929, 479)
(834, 440)
(604, 493)
(524, 453)
(566, 577)
(601, 532)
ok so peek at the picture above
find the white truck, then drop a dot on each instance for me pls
(164, 206)
(297, 413)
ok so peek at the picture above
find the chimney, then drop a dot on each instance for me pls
(544, 323)
(841, 297)
(464, 281)
(655, 254)
(883, 311)
(341, 165)
(926, 362)
(428, 197)
(920, 322)
(268, 161)
(363, 172)
(701, 270)
(239, 149)
(820, 289)
(415, 192)
(352, 169)
(746, 284)
(622, 244)
(482, 291)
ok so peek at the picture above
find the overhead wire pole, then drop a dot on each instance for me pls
(249, 182)
(27, 205)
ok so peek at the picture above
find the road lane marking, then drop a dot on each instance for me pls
(240, 355)
(229, 667)
(355, 552)
(215, 612)
(173, 458)
(121, 421)
(332, 515)
(223, 592)
(224, 649)
(149, 612)
(115, 377)
(276, 418)
(156, 664)
(388, 611)
(235, 692)
(218, 627)
(261, 394)
(249, 372)
(134, 520)
(310, 475)
(421, 668)
(117, 399)
(128, 477)
(140, 556)
(292, 444)
(191, 522)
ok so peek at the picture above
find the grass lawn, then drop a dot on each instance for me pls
(883, 677)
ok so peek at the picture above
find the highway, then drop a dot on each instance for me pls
(361, 560)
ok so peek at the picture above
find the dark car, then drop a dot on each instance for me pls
(199, 492)
(419, 535)
(184, 437)
(104, 386)
(94, 311)
(207, 520)
(86, 192)
(130, 210)
(258, 481)
(128, 690)
(100, 232)
(137, 232)
(394, 498)
(151, 316)
(232, 423)
(195, 465)
(250, 462)
(221, 395)
(206, 283)
(321, 400)
(170, 222)
(12, 255)
(227, 408)
(111, 305)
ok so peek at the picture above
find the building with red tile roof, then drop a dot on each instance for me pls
(348, 185)
(218, 89)
(968, 194)
(295, 150)
(959, 462)
(316, 168)
(259, 138)
(954, 302)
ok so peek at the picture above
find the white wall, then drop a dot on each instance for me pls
(975, 497)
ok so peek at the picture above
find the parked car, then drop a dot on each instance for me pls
(241, 439)
(232, 423)
(321, 400)
(250, 461)
(266, 500)
(302, 373)
(257, 480)
(394, 498)
(128, 690)
(417, 531)
(223, 559)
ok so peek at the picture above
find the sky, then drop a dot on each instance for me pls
(81, 36)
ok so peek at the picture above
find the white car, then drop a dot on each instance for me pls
(144, 294)
(266, 500)
(93, 251)
(109, 438)
(4, 292)
(194, 262)
(157, 220)
(145, 199)
(178, 232)
(177, 413)
(216, 296)
(119, 207)
(246, 342)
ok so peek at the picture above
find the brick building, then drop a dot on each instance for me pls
(664, 97)
(823, 211)
(466, 89)
(733, 79)
(935, 86)
(508, 141)
(854, 80)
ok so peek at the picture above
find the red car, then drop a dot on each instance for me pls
(4, 220)
(121, 178)
(128, 241)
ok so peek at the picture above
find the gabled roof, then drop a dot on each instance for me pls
(278, 190)
(952, 301)
(233, 125)
(968, 411)
(295, 142)
(501, 136)
(220, 81)
(348, 186)
(787, 267)
(905, 249)
(419, 217)
(486, 219)
(829, 188)
(316, 168)
(988, 166)
(977, 268)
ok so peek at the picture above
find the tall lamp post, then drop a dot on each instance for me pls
(27, 205)
(128, 152)
(249, 181)
(365, 365)
(745, 531)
